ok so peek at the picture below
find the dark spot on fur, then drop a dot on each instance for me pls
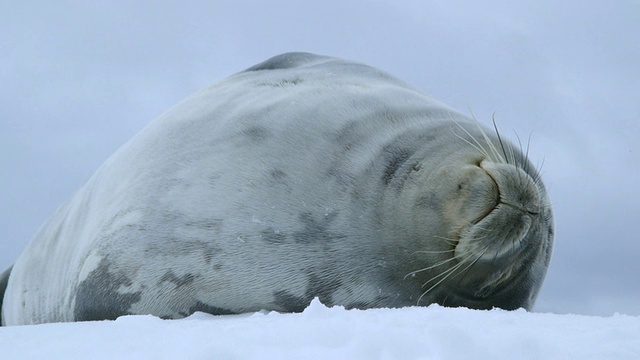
(347, 136)
(214, 178)
(272, 236)
(394, 158)
(317, 287)
(208, 253)
(98, 297)
(178, 281)
(427, 138)
(206, 224)
(429, 201)
(323, 288)
(291, 303)
(316, 231)
(257, 133)
(278, 174)
(206, 308)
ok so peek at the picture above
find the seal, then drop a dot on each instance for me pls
(303, 176)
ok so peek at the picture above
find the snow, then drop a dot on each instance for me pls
(335, 333)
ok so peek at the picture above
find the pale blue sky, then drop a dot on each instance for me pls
(78, 79)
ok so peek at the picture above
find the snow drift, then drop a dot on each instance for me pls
(334, 333)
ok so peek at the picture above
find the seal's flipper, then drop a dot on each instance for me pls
(4, 279)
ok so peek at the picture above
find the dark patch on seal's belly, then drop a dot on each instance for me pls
(317, 287)
(98, 297)
(209, 309)
(178, 281)
(289, 302)
(316, 230)
(323, 289)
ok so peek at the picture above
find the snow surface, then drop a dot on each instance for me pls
(334, 333)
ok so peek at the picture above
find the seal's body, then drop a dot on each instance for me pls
(303, 176)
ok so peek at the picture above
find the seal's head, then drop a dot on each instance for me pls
(480, 219)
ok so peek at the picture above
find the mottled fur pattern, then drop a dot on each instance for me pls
(304, 176)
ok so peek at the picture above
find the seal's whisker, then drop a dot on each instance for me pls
(495, 126)
(490, 144)
(440, 263)
(523, 162)
(445, 275)
(478, 147)
(512, 154)
(477, 238)
(538, 177)
(453, 268)
(498, 248)
(536, 170)
(519, 162)
(526, 154)
(434, 251)
(450, 272)
(449, 241)
(468, 267)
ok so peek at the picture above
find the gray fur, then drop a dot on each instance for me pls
(4, 280)
(304, 176)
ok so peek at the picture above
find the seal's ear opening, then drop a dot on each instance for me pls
(4, 280)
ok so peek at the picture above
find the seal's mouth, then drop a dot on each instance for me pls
(508, 209)
(490, 245)
(492, 205)
(516, 188)
(502, 198)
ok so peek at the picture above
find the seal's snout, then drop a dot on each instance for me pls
(516, 188)
(493, 242)
(473, 198)
(499, 211)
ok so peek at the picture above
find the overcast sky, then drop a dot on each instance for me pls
(79, 78)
